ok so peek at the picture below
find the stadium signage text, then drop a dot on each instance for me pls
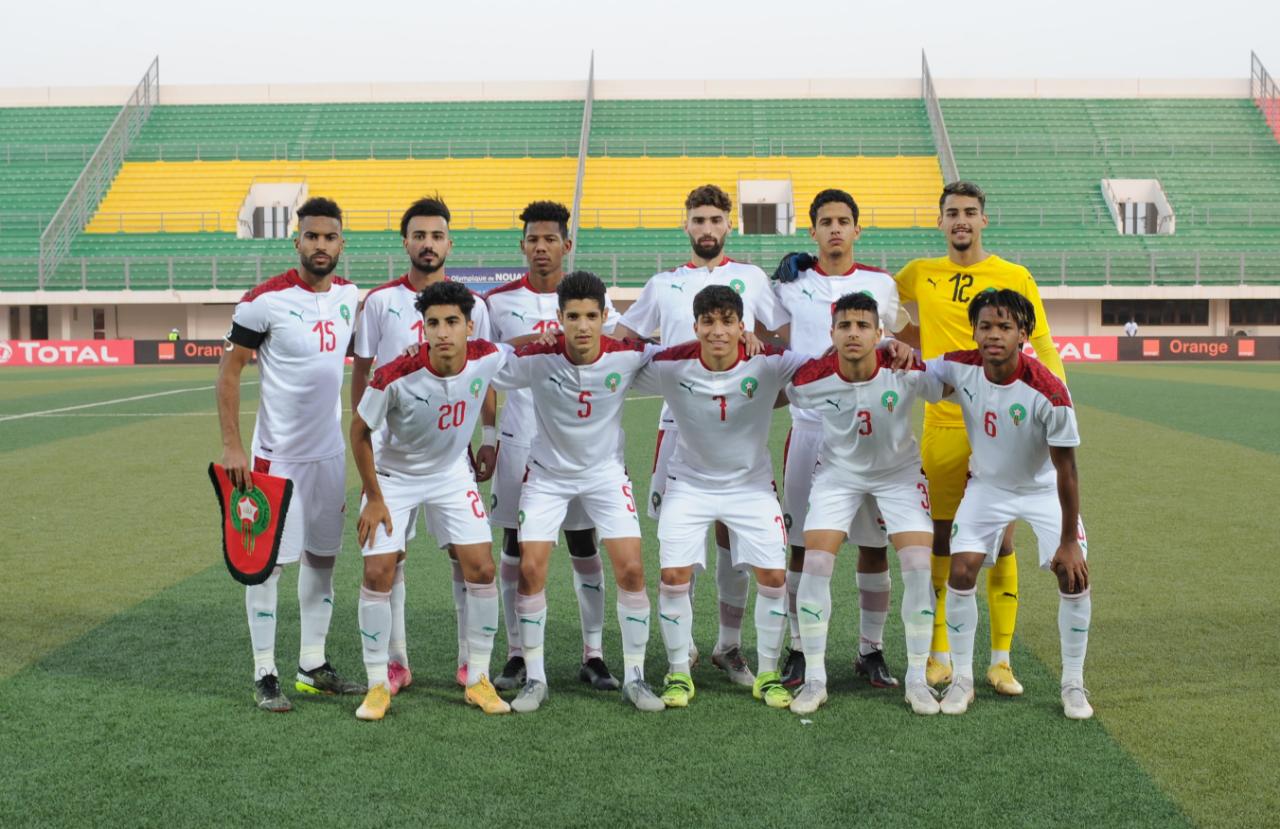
(66, 353)
(1082, 349)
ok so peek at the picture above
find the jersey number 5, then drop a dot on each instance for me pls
(585, 411)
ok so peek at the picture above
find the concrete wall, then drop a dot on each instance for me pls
(634, 89)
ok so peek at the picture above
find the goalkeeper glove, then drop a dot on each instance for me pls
(792, 265)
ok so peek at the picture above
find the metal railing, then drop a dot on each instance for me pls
(1130, 147)
(77, 208)
(46, 153)
(1265, 93)
(584, 140)
(1069, 266)
(1228, 215)
(946, 157)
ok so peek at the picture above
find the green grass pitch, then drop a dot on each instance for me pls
(125, 692)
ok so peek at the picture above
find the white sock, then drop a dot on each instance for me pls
(813, 603)
(532, 611)
(633, 619)
(999, 656)
(793, 614)
(260, 605)
(675, 614)
(771, 625)
(917, 609)
(1074, 613)
(482, 626)
(874, 591)
(508, 579)
(588, 584)
(962, 623)
(315, 608)
(732, 586)
(460, 609)
(374, 614)
(399, 646)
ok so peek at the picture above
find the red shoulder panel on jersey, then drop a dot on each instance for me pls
(479, 348)
(399, 367)
(691, 350)
(280, 282)
(337, 280)
(530, 349)
(1037, 376)
(815, 370)
(766, 350)
(608, 344)
(514, 285)
(403, 280)
(859, 266)
(969, 358)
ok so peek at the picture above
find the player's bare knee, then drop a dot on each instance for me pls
(873, 559)
(796, 563)
(581, 543)
(942, 538)
(510, 543)
(1064, 586)
(677, 575)
(964, 571)
(771, 578)
(380, 572)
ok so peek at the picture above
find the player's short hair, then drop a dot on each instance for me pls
(716, 299)
(428, 206)
(1015, 304)
(827, 197)
(859, 301)
(546, 211)
(964, 188)
(580, 285)
(446, 292)
(319, 206)
(708, 195)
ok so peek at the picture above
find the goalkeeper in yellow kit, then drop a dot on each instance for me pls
(942, 289)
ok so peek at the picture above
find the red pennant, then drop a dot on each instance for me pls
(252, 522)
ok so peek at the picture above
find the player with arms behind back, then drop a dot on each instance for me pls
(300, 323)
(578, 384)
(1022, 427)
(430, 402)
(942, 289)
(723, 401)
(868, 451)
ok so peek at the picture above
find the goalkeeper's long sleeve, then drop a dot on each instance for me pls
(1048, 354)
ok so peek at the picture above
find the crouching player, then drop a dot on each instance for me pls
(578, 384)
(721, 470)
(1022, 429)
(430, 402)
(868, 452)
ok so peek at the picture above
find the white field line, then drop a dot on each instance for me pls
(67, 411)
(48, 412)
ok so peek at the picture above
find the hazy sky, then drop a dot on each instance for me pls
(89, 42)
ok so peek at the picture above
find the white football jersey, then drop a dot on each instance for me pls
(665, 304)
(866, 425)
(722, 417)
(301, 338)
(515, 310)
(1012, 425)
(389, 323)
(806, 305)
(578, 408)
(430, 419)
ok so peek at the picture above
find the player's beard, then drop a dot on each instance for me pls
(428, 267)
(707, 250)
(319, 271)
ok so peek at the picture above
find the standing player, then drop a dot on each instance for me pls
(300, 324)
(1023, 430)
(578, 384)
(520, 313)
(868, 451)
(807, 288)
(722, 400)
(942, 290)
(388, 323)
(430, 403)
(666, 305)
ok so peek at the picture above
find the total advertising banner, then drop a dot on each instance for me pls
(66, 352)
(1082, 349)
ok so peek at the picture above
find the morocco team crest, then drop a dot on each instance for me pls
(889, 399)
(612, 381)
(252, 522)
(749, 386)
(1018, 413)
(475, 387)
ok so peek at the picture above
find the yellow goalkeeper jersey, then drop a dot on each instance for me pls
(942, 291)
